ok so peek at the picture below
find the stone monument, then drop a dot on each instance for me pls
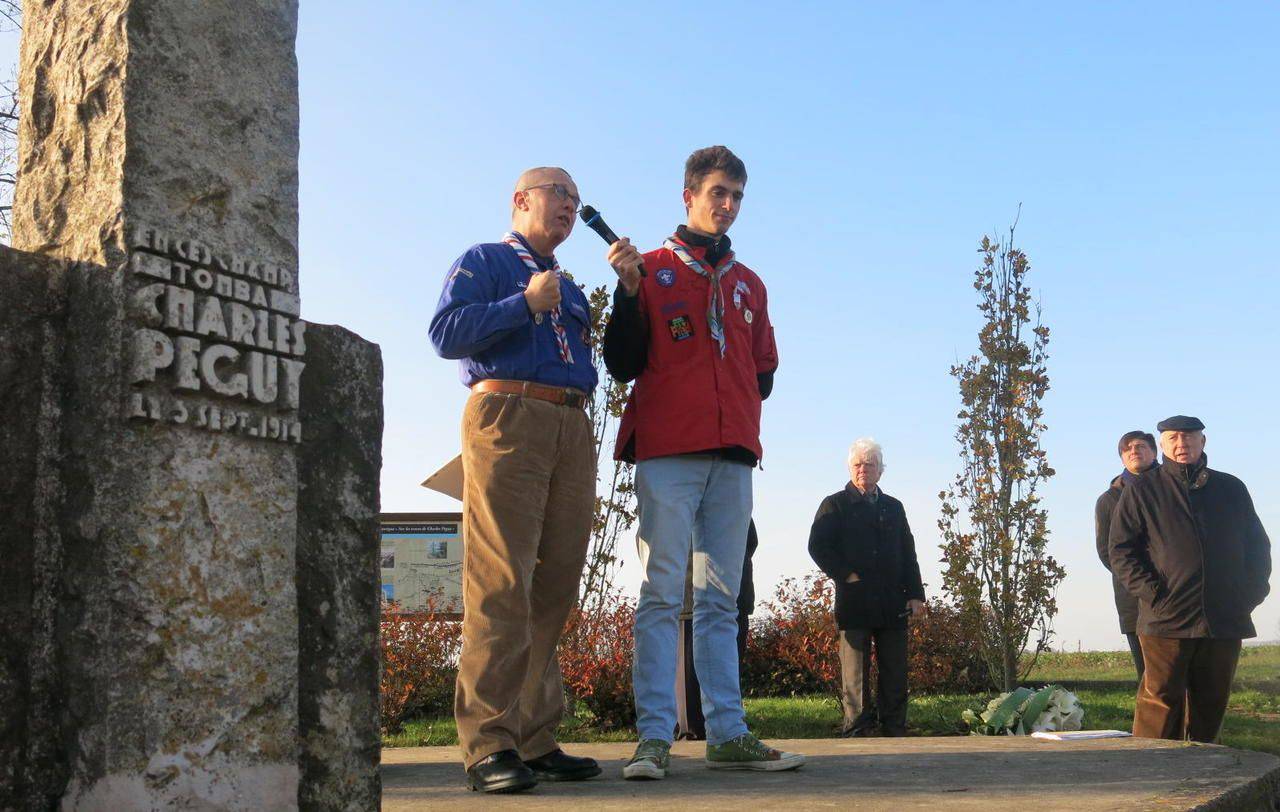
(192, 469)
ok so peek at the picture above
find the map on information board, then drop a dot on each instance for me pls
(422, 556)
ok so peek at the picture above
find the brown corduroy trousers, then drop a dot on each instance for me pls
(1186, 683)
(528, 503)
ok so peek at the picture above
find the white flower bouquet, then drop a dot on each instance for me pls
(1024, 711)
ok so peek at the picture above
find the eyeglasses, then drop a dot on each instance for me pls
(562, 193)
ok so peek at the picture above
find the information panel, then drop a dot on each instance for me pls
(421, 557)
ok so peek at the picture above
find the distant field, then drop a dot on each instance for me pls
(1104, 681)
(1258, 664)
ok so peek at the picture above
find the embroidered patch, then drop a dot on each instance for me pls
(746, 314)
(464, 272)
(738, 290)
(666, 277)
(680, 328)
(672, 307)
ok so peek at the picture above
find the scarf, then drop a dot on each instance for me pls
(512, 239)
(715, 304)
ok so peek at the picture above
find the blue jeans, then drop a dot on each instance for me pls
(708, 500)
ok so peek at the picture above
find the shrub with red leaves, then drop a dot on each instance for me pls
(793, 648)
(944, 654)
(595, 659)
(419, 663)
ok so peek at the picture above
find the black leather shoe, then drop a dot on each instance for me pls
(501, 772)
(859, 733)
(557, 766)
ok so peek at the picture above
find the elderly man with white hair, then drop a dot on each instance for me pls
(861, 540)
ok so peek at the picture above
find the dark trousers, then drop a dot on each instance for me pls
(889, 708)
(690, 723)
(1185, 687)
(1135, 648)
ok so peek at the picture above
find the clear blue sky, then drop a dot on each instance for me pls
(1141, 140)
(882, 142)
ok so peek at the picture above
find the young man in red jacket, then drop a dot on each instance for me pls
(694, 335)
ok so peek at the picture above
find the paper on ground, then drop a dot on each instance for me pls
(1073, 735)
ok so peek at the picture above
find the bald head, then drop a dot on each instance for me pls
(539, 212)
(541, 174)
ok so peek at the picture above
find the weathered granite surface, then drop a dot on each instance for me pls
(31, 323)
(177, 613)
(169, 515)
(339, 597)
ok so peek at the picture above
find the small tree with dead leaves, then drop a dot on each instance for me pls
(998, 571)
(615, 510)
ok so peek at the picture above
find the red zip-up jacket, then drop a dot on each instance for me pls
(688, 398)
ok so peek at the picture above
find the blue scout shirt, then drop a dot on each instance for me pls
(482, 320)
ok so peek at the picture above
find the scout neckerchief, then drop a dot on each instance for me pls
(715, 306)
(562, 338)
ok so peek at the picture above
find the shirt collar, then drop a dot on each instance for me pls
(1193, 476)
(716, 250)
(1126, 476)
(860, 496)
(546, 263)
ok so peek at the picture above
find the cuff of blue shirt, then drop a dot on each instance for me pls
(516, 308)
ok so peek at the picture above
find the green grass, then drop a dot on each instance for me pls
(1106, 684)
(436, 731)
(1104, 681)
(1258, 665)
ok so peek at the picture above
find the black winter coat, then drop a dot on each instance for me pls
(1186, 541)
(852, 534)
(1126, 604)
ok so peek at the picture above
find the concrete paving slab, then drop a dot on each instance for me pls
(962, 773)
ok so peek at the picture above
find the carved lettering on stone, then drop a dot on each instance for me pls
(220, 324)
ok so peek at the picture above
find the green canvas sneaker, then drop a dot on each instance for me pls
(650, 761)
(749, 753)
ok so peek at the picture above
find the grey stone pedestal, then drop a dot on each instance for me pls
(155, 432)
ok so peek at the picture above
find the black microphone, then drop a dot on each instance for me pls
(597, 224)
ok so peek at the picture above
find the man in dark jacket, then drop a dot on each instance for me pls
(1186, 541)
(1138, 453)
(861, 540)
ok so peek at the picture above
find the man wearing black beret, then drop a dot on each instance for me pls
(1187, 543)
(1138, 453)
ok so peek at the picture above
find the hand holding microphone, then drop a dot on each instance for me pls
(623, 256)
(627, 263)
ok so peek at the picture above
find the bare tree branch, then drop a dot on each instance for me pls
(10, 26)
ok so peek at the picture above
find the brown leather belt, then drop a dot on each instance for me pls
(558, 395)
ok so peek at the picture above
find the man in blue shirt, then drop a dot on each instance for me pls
(521, 331)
